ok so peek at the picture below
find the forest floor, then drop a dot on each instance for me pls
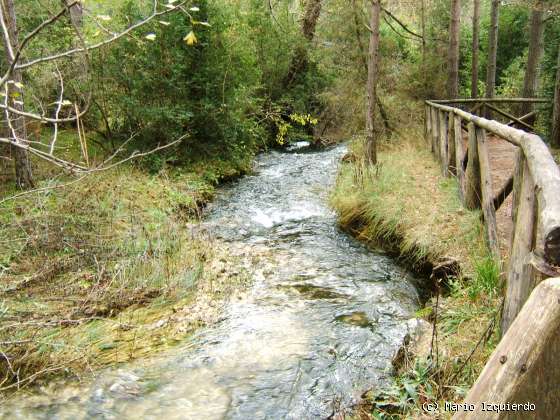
(108, 269)
(407, 206)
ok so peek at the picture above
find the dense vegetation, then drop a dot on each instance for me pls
(185, 101)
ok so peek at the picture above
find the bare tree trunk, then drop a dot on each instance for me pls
(475, 47)
(17, 130)
(555, 140)
(373, 75)
(76, 13)
(423, 25)
(299, 62)
(453, 52)
(492, 51)
(536, 49)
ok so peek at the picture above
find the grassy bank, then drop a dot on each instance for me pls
(406, 205)
(107, 269)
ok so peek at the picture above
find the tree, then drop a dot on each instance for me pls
(373, 75)
(492, 50)
(453, 51)
(11, 84)
(555, 140)
(308, 26)
(536, 49)
(14, 97)
(475, 48)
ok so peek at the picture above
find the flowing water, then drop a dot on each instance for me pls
(314, 332)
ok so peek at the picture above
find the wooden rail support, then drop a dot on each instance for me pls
(487, 194)
(511, 117)
(473, 191)
(504, 193)
(524, 368)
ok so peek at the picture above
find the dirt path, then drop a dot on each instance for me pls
(502, 162)
(502, 158)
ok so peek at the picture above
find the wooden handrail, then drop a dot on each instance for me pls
(535, 249)
(490, 100)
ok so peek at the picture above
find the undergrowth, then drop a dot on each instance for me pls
(89, 270)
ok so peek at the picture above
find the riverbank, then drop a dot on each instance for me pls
(106, 270)
(406, 206)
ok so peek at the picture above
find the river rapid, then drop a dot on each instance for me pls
(311, 335)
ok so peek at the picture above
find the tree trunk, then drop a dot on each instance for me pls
(299, 63)
(536, 48)
(492, 51)
(423, 25)
(76, 13)
(453, 52)
(17, 131)
(555, 140)
(373, 74)
(475, 48)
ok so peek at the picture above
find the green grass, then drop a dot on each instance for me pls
(405, 204)
(88, 269)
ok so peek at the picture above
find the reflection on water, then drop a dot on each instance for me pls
(308, 339)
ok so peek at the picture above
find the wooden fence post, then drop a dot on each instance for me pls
(472, 180)
(437, 135)
(459, 155)
(521, 275)
(443, 142)
(435, 130)
(487, 194)
(451, 144)
(427, 123)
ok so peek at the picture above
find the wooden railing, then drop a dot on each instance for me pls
(534, 250)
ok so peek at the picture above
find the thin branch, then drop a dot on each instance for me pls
(74, 51)
(402, 25)
(397, 32)
(57, 113)
(15, 57)
(99, 168)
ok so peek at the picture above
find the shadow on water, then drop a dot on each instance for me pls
(311, 335)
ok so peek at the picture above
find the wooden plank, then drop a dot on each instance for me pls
(451, 165)
(475, 108)
(544, 170)
(443, 142)
(459, 156)
(524, 117)
(511, 117)
(487, 194)
(504, 193)
(520, 275)
(524, 366)
(473, 192)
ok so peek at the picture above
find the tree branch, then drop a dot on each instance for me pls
(74, 51)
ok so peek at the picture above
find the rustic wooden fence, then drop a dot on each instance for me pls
(534, 250)
(522, 377)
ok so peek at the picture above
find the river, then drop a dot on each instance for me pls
(305, 342)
